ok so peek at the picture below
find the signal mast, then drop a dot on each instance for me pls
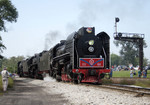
(132, 37)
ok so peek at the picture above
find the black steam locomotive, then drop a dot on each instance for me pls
(82, 57)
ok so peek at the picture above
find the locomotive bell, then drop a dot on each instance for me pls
(86, 30)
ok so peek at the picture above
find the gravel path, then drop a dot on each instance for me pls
(49, 92)
(27, 93)
(88, 95)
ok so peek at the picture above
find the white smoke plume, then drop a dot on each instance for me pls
(48, 78)
(51, 39)
(96, 11)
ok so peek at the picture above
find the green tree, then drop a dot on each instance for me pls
(11, 63)
(2, 47)
(129, 51)
(8, 13)
(115, 59)
(145, 62)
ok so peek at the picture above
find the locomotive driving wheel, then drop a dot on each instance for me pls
(58, 72)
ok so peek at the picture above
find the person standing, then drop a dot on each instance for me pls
(131, 73)
(111, 71)
(5, 76)
(139, 73)
(144, 74)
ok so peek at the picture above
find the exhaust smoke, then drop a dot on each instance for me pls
(48, 78)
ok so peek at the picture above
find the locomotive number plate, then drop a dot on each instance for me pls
(91, 62)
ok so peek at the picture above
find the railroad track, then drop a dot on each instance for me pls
(124, 88)
(129, 88)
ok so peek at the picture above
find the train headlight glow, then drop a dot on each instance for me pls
(91, 49)
(91, 42)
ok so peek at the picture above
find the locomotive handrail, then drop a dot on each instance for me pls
(61, 56)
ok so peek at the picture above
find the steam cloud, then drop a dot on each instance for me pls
(51, 39)
(93, 11)
(48, 78)
(102, 12)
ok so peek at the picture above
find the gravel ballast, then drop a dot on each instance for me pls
(89, 95)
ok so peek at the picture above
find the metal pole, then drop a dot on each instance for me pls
(141, 54)
(116, 28)
(116, 20)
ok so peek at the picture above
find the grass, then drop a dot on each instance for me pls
(121, 74)
(124, 79)
(10, 84)
(142, 83)
(127, 74)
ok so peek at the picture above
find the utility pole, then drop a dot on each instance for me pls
(132, 37)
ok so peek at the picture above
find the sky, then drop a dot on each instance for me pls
(43, 23)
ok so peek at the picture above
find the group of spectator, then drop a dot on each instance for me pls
(140, 73)
(132, 70)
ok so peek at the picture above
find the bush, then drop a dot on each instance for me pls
(10, 82)
(1, 87)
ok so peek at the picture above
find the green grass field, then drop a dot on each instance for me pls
(125, 81)
(127, 74)
(10, 84)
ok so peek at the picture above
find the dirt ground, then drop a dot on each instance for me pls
(25, 93)
(29, 91)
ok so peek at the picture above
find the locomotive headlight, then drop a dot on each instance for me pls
(91, 49)
(91, 42)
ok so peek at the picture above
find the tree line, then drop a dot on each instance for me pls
(119, 60)
(11, 63)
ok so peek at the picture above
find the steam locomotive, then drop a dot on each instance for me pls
(82, 57)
